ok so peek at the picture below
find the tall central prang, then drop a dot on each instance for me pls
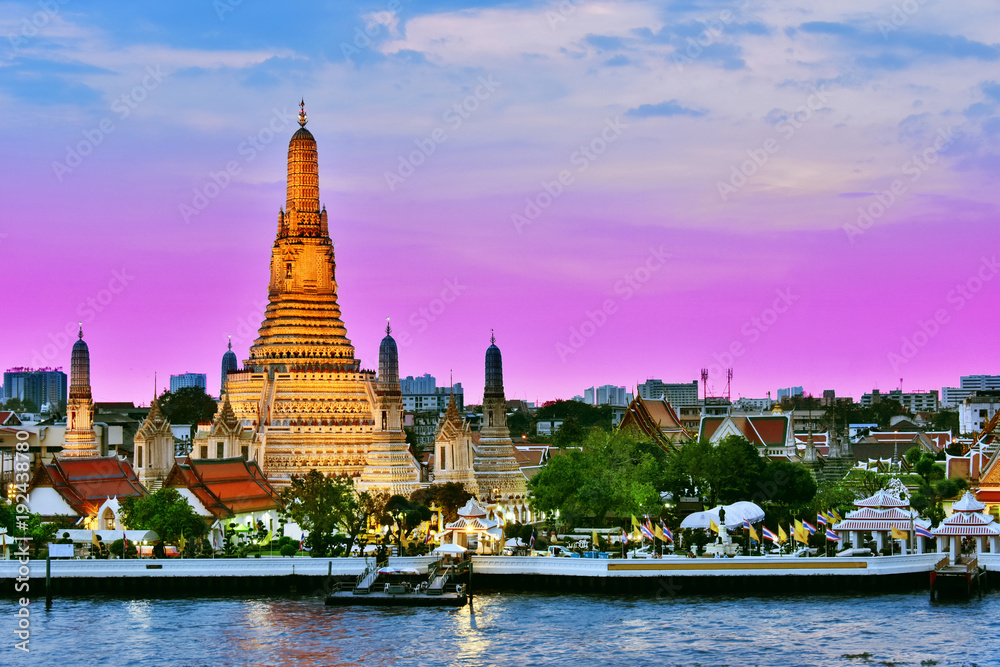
(302, 326)
(301, 400)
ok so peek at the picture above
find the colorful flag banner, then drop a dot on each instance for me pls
(832, 535)
(821, 518)
(713, 526)
(801, 534)
(922, 532)
(647, 531)
(782, 535)
(899, 533)
(666, 531)
(768, 535)
(808, 526)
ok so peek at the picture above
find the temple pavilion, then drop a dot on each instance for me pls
(473, 519)
(968, 521)
(878, 514)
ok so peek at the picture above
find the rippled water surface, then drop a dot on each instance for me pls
(516, 629)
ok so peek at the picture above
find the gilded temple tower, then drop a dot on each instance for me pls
(390, 465)
(497, 472)
(80, 440)
(302, 395)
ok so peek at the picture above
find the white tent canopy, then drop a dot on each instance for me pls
(450, 549)
(515, 542)
(79, 535)
(735, 515)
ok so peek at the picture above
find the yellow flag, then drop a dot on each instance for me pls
(597, 544)
(753, 534)
(782, 535)
(635, 523)
(801, 534)
(714, 526)
(93, 539)
(659, 533)
(899, 534)
(182, 542)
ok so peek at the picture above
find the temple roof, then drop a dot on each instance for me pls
(226, 487)
(85, 483)
(968, 524)
(762, 430)
(968, 503)
(881, 499)
(655, 419)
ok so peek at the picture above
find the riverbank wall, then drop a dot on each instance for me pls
(318, 576)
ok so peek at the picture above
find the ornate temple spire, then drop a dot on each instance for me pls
(303, 172)
(494, 370)
(302, 328)
(388, 363)
(79, 386)
(80, 438)
(229, 363)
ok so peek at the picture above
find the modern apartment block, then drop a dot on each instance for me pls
(42, 386)
(677, 393)
(187, 380)
(918, 401)
(953, 396)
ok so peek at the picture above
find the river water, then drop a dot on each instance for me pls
(514, 629)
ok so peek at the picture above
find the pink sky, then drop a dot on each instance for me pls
(909, 295)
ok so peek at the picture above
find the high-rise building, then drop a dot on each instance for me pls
(789, 392)
(677, 393)
(42, 386)
(918, 401)
(607, 394)
(953, 396)
(425, 384)
(185, 380)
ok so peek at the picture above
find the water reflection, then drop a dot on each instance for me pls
(519, 629)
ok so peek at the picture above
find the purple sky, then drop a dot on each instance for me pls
(714, 160)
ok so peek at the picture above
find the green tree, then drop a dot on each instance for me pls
(42, 532)
(612, 474)
(737, 470)
(166, 513)
(584, 415)
(520, 423)
(787, 484)
(188, 405)
(570, 434)
(449, 497)
(946, 420)
(321, 505)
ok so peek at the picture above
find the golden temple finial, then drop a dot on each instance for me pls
(303, 119)
(388, 329)
(80, 335)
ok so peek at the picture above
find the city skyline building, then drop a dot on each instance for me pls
(42, 386)
(184, 380)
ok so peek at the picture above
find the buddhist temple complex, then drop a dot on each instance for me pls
(302, 400)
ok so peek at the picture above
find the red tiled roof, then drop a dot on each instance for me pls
(763, 431)
(655, 419)
(8, 418)
(86, 483)
(225, 486)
